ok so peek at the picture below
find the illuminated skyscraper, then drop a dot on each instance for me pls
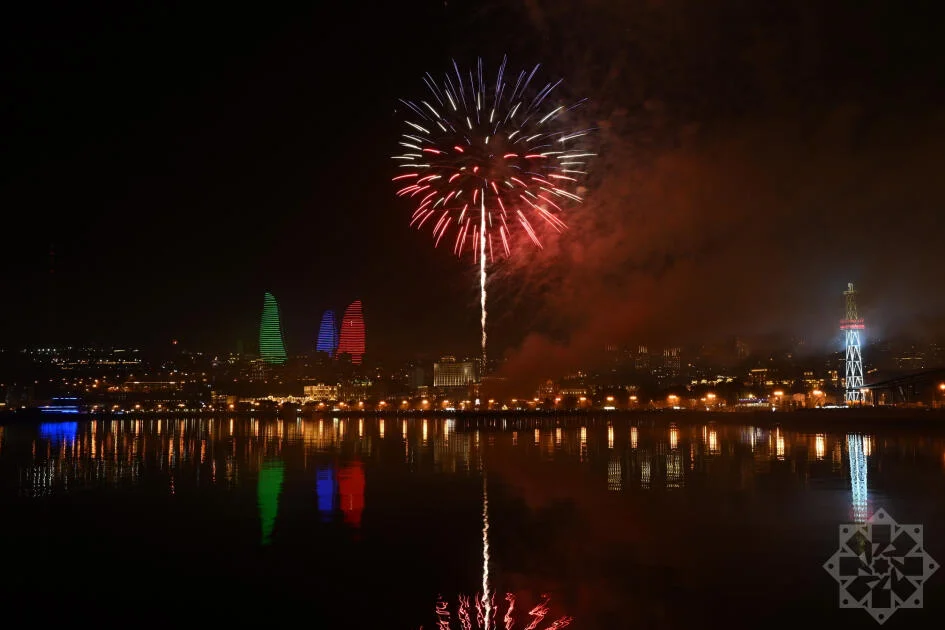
(327, 334)
(351, 341)
(851, 326)
(271, 339)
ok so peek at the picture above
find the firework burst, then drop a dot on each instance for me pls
(491, 163)
(471, 614)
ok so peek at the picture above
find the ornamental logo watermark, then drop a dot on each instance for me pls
(881, 566)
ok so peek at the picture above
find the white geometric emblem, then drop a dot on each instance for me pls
(881, 566)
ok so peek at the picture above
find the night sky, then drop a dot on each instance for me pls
(182, 158)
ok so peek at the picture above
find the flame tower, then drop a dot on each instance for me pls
(851, 327)
(271, 339)
(351, 341)
(327, 334)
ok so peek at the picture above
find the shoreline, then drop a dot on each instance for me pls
(861, 418)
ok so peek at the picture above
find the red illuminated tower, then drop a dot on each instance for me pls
(351, 341)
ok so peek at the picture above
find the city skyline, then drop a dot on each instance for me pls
(738, 186)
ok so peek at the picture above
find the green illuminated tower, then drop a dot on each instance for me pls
(271, 342)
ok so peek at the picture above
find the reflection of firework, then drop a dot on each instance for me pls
(487, 160)
(470, 614)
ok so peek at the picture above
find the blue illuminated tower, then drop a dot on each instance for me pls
(327, 334)
(851, 327)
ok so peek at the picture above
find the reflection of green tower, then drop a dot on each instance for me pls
(267, 493)
(271, 342)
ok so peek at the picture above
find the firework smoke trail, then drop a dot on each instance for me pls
(503, 149)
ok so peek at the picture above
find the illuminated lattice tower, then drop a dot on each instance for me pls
(851, 326)
(271, 339)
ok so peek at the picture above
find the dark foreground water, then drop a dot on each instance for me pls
(655, 521)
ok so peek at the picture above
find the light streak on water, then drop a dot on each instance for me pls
(486, 594)
(858, 477)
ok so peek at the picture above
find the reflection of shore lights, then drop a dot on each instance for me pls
(713, 441)
(424, 430)
(633, 437)
(610, 436)
(380, 426)
(867, 445)
(779, 444)
(558, 436)
(583, 436)
(673, 437)
(536, 437)
(820, 446)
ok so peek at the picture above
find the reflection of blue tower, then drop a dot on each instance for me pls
(327, 334)
(858, 486)
(326, 487)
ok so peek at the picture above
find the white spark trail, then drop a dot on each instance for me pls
(482, 276)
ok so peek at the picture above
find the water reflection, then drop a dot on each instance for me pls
(269, 489)
(351, 491)
(856, 445)
(387, 499)
(483, 613)
(52, 458)
(58, 431)
(326, 490)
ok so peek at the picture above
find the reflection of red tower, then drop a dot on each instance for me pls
(351, 489)
(351, 340)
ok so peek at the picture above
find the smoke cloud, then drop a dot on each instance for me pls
(746, 172)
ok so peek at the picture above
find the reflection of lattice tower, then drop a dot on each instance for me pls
(851, 326)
